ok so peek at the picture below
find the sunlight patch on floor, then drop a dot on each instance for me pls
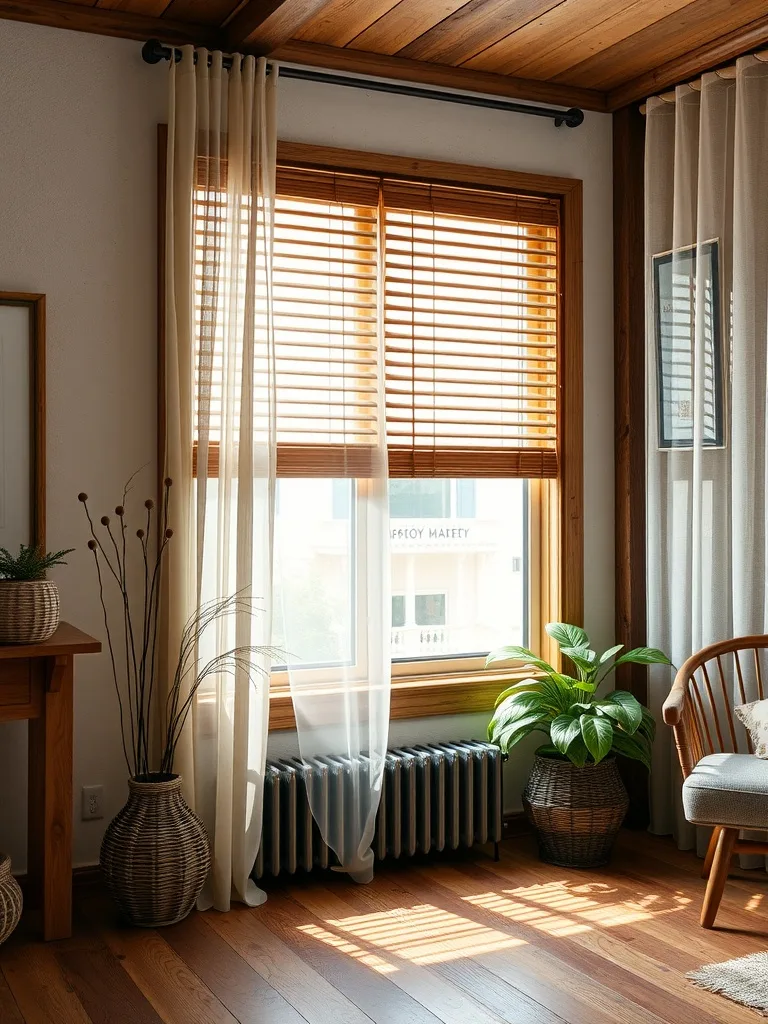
(523, 913)
(561, 908)
(424, 934)
(754, 902)
(345, 946)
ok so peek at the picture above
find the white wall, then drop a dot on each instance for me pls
(77, 211)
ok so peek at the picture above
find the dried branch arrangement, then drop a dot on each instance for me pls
(132, 639)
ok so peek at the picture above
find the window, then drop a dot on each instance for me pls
(430, 609)
(469, 274)
(419, 499)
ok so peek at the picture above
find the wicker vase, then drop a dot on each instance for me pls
(155, 854)
(29, 611)
(577, 812)
(10, 899)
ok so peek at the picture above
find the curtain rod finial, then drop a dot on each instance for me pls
(153, 51)
(571, 118)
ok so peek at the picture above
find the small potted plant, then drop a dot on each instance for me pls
(29, 603)
(574, 798)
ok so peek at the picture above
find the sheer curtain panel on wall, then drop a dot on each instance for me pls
(219, 388)
(706, 227)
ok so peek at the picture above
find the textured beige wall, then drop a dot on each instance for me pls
(77, 220)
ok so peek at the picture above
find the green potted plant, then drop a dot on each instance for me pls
(29, 603)
(575, 798)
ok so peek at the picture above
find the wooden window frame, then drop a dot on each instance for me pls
(558, 580)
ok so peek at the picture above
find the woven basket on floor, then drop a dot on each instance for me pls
(577, 812)
(10, 899)
(155, 854)
(29, 611)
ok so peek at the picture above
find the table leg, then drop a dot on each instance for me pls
(50, 800)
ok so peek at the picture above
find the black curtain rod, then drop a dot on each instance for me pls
(154, 51)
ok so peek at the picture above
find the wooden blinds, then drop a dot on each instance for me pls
(461, 285)
(470, 315)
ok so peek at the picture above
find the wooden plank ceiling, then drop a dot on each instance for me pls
(600, 54)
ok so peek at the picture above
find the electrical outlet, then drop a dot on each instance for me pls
(92, 802)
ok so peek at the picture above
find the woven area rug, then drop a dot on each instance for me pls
(744, 980)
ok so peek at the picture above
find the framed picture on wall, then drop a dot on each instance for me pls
(22, 419)
(686, 293)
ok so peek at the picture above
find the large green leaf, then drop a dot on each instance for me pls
(607, 655)
(584, 686)
(577, 753)
(518, 654)
(597, 734)
(583, 658)
(506, 737)
(525, 685)
(563, 731)
(647, 727)
(635, 747)
(567, 635)
(643, 656)
(630, 710)
(519, 705)
(577, 654)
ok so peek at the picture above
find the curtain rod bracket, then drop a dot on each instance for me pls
(154, 51)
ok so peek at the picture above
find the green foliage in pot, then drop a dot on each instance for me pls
(582, 726)
(31, 563)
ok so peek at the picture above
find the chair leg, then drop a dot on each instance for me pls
(707, 866)
(721, 862)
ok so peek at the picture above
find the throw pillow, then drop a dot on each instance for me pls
(754, 718)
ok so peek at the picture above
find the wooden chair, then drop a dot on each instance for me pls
(725, 786)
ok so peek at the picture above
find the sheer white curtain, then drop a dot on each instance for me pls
(220, 389)
(706, 154)
(345, 723)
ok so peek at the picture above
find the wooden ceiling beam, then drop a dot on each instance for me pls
(690, 65)
(264, 25)
(108, 22)
(360, 62)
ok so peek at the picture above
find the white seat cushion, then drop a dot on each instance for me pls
(728, 789)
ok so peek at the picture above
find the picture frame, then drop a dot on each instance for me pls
(677, 276)
(22, 419)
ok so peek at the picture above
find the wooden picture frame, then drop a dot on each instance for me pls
(22, 427)
(677, 274)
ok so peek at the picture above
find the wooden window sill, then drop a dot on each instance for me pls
(417, 697)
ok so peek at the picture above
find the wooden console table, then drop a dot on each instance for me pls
(36, 682)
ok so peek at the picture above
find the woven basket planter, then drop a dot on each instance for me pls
(155, 854)
(10, 899)
(577, 812)
(29, 611)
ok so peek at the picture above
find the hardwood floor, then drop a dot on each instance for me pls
(460, 940)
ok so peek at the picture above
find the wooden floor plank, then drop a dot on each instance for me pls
(9, 1008)
(178, 995)
(306, 990)
(102, 986)
(39, 988)
(363, 977)
(241, 989)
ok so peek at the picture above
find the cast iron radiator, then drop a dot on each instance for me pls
(434, 797)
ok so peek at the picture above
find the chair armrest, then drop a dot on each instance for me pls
(672, 709)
